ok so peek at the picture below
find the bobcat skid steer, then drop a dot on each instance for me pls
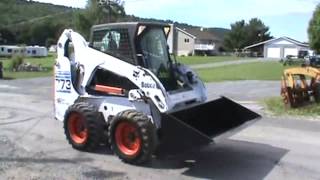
(124, 90)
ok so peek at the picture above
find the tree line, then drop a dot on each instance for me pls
(243, 34)
(314, 30)
(46, 28)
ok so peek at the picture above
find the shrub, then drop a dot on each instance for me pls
(15, 62)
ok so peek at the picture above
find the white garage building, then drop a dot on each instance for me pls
(278, 48)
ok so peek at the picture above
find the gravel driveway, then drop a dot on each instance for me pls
(33, 145)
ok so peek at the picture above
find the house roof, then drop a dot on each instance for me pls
(202, 34)
(185, 32)
(275, 39)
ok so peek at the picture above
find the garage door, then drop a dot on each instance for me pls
(290, 51)
(273, 53)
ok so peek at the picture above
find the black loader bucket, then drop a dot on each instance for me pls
(197, 126)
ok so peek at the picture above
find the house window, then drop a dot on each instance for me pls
(2, 49)
(186, 40)
(34, 51)
(9, 50)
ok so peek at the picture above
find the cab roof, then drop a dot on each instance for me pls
(131, 26)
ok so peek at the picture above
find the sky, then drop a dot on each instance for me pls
(284, 17)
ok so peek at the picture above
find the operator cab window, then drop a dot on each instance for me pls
(114, 42)
(153, 46)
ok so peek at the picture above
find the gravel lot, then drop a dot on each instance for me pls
(33, 145)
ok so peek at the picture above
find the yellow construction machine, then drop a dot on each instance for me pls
(300, 85)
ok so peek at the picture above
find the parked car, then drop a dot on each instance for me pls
(314, 60)
(290, 60)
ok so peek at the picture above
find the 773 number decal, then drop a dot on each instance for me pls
(63, 85)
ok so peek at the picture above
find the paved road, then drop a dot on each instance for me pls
(33, 145)
(225, 63)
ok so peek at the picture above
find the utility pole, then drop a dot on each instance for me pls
(109, 10)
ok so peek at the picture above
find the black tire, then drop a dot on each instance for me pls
(316, 92)
(289, 98)
(92, 122)
(144, 130)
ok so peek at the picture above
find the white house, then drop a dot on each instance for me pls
(190, 41)
(278, 48)
(29, 51)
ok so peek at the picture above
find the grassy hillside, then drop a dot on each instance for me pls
(32, 23)
(17, 11)
(35, 23)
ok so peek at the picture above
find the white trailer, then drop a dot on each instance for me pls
(6, 50)
(29, 51)
(36, 51)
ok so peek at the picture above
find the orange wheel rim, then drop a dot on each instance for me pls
(77, 128)
(128, 139)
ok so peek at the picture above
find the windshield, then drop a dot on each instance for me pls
(153, 45)
(154, 49)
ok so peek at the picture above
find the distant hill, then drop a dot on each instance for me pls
(21, 19)
(18, 11)
(218, 32)
(135, 18)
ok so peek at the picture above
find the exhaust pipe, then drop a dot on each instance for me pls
(197, 126)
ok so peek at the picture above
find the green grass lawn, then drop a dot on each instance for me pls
(276, 106)
(250, 71)
(46, 62)
(192, 60)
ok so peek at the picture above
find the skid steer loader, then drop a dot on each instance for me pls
(123, 89)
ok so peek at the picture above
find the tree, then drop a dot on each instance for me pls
(83, 24)
(50, 42)
(257, 32)
(236, 38)
(6, 36)
(243, 34)
(314, 30)
(98, 12)
(113, 9)
(40, 32)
